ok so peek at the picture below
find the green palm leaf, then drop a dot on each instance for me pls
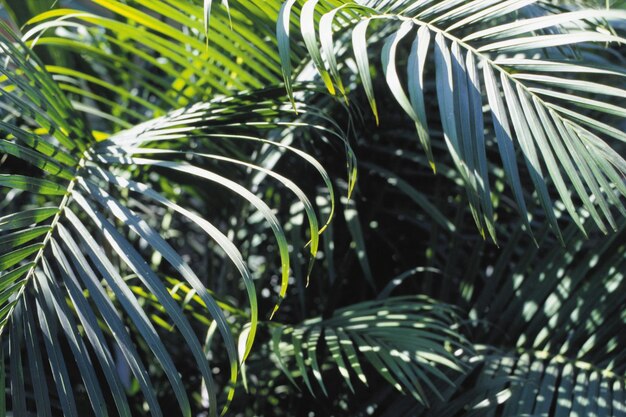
(523, 116)
(405, 339)
(565, 356)
(83, 184)
(154, 175)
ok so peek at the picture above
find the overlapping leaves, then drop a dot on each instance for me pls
(80, 210)
(548, 320)
(72, 228)
(482, 53)
(411, 341)
(560, 347)
(161, 44)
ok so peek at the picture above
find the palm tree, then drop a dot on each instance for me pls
(177, 170)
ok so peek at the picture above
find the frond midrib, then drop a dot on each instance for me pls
(558, 358)
(66, 200)
(481, 56)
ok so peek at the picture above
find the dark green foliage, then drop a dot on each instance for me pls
(390, 208)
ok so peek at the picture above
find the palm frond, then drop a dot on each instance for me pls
(77, 204)
(483, 54)
(548, 327)
(535, 306)
(410, 341)
(525, 383)
(570, 304)
(555, 318)
(154, 175)
(161, 43)
(542, 385)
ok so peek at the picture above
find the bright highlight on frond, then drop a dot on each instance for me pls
(170, 171)
(400, 337)
(560, 146)
(92, 190)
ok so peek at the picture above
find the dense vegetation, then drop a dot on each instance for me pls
(312, 207)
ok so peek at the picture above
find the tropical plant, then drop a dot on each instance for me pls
(176, 170)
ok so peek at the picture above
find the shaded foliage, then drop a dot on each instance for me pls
(182, 231)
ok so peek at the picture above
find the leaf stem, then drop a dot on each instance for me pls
(67, 198)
